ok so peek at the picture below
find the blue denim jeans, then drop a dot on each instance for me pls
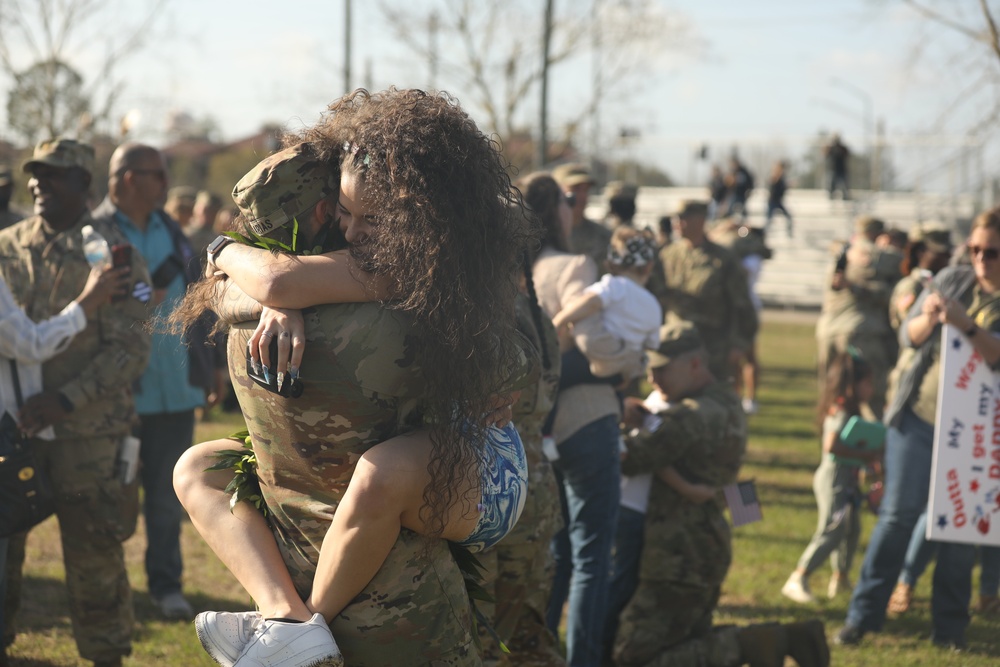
(625, 574)
(918, 554)
(164, 438)
(588, 471)
(907, 482)
(989, 573)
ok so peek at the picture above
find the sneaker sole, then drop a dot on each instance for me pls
(204, 637)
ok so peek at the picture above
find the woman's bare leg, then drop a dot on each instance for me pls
(385, 494)
(240, 538)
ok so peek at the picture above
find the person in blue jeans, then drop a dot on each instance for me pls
(966, 298)
(918, 556)
(585, 431)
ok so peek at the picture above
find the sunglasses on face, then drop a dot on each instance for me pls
(570, 199)
(988, 254)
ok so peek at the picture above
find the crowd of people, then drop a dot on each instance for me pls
(439, 372)
(879, 358)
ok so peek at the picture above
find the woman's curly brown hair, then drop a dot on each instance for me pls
(445, 233)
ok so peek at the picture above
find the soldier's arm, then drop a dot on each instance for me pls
(283, 280)
(681, 430)
(233, 305)
(124, 343)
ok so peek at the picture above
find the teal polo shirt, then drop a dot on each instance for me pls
(164, 387)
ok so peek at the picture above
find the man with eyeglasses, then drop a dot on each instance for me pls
(85, 397)
(181, 374)
(587, 237)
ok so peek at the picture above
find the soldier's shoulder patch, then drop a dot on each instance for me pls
(142, 291)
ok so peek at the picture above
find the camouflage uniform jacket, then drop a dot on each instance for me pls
(591, 239)
(707, 286)
(45, 271)
(863, 306)
(703, 437)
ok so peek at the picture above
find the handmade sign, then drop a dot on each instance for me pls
(964, 502)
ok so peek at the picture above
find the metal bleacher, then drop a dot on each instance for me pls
(793, 277)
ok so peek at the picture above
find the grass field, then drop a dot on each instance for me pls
(783, 454)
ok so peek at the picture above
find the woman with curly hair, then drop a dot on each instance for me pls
(425, 208)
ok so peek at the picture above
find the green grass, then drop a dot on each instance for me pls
(783, 454)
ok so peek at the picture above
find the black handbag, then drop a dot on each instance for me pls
(26, 497)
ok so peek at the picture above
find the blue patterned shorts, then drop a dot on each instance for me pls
(504, 486)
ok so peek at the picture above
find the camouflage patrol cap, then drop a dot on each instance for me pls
(676, 338)
(574, 173)
(283, 186)
(935, 237)
(62, 153)
(6, 177)
(867, 224)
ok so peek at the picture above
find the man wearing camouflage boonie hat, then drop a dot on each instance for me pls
(705, 283)
(86, 395)
(687, 546)
(363, 386)
(586, 237)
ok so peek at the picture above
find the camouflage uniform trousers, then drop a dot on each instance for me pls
(518, 572)
(95, 515)
(875, 349)
(668, 624)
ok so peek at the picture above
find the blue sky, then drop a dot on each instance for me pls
(764, 83)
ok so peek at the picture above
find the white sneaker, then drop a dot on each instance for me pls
(224, 634)
(282, 644)
(797, 588)
(749, 406)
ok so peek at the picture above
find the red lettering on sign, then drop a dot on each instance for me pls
(955, 494)
(967, 370)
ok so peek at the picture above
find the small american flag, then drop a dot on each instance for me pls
(744, 507)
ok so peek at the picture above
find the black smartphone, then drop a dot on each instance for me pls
(289, 388)
(121, 255)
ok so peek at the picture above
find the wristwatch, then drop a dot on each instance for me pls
(214, 248)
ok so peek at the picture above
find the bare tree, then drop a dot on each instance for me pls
(977, 68)
(39, 42)
(495, 55)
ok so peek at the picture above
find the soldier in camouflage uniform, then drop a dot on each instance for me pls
(586, 237)
(518, 571)
(364, 386)
(374, 381)
(855, 311)
(705, 284)
(86, 395)
(687, 549)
